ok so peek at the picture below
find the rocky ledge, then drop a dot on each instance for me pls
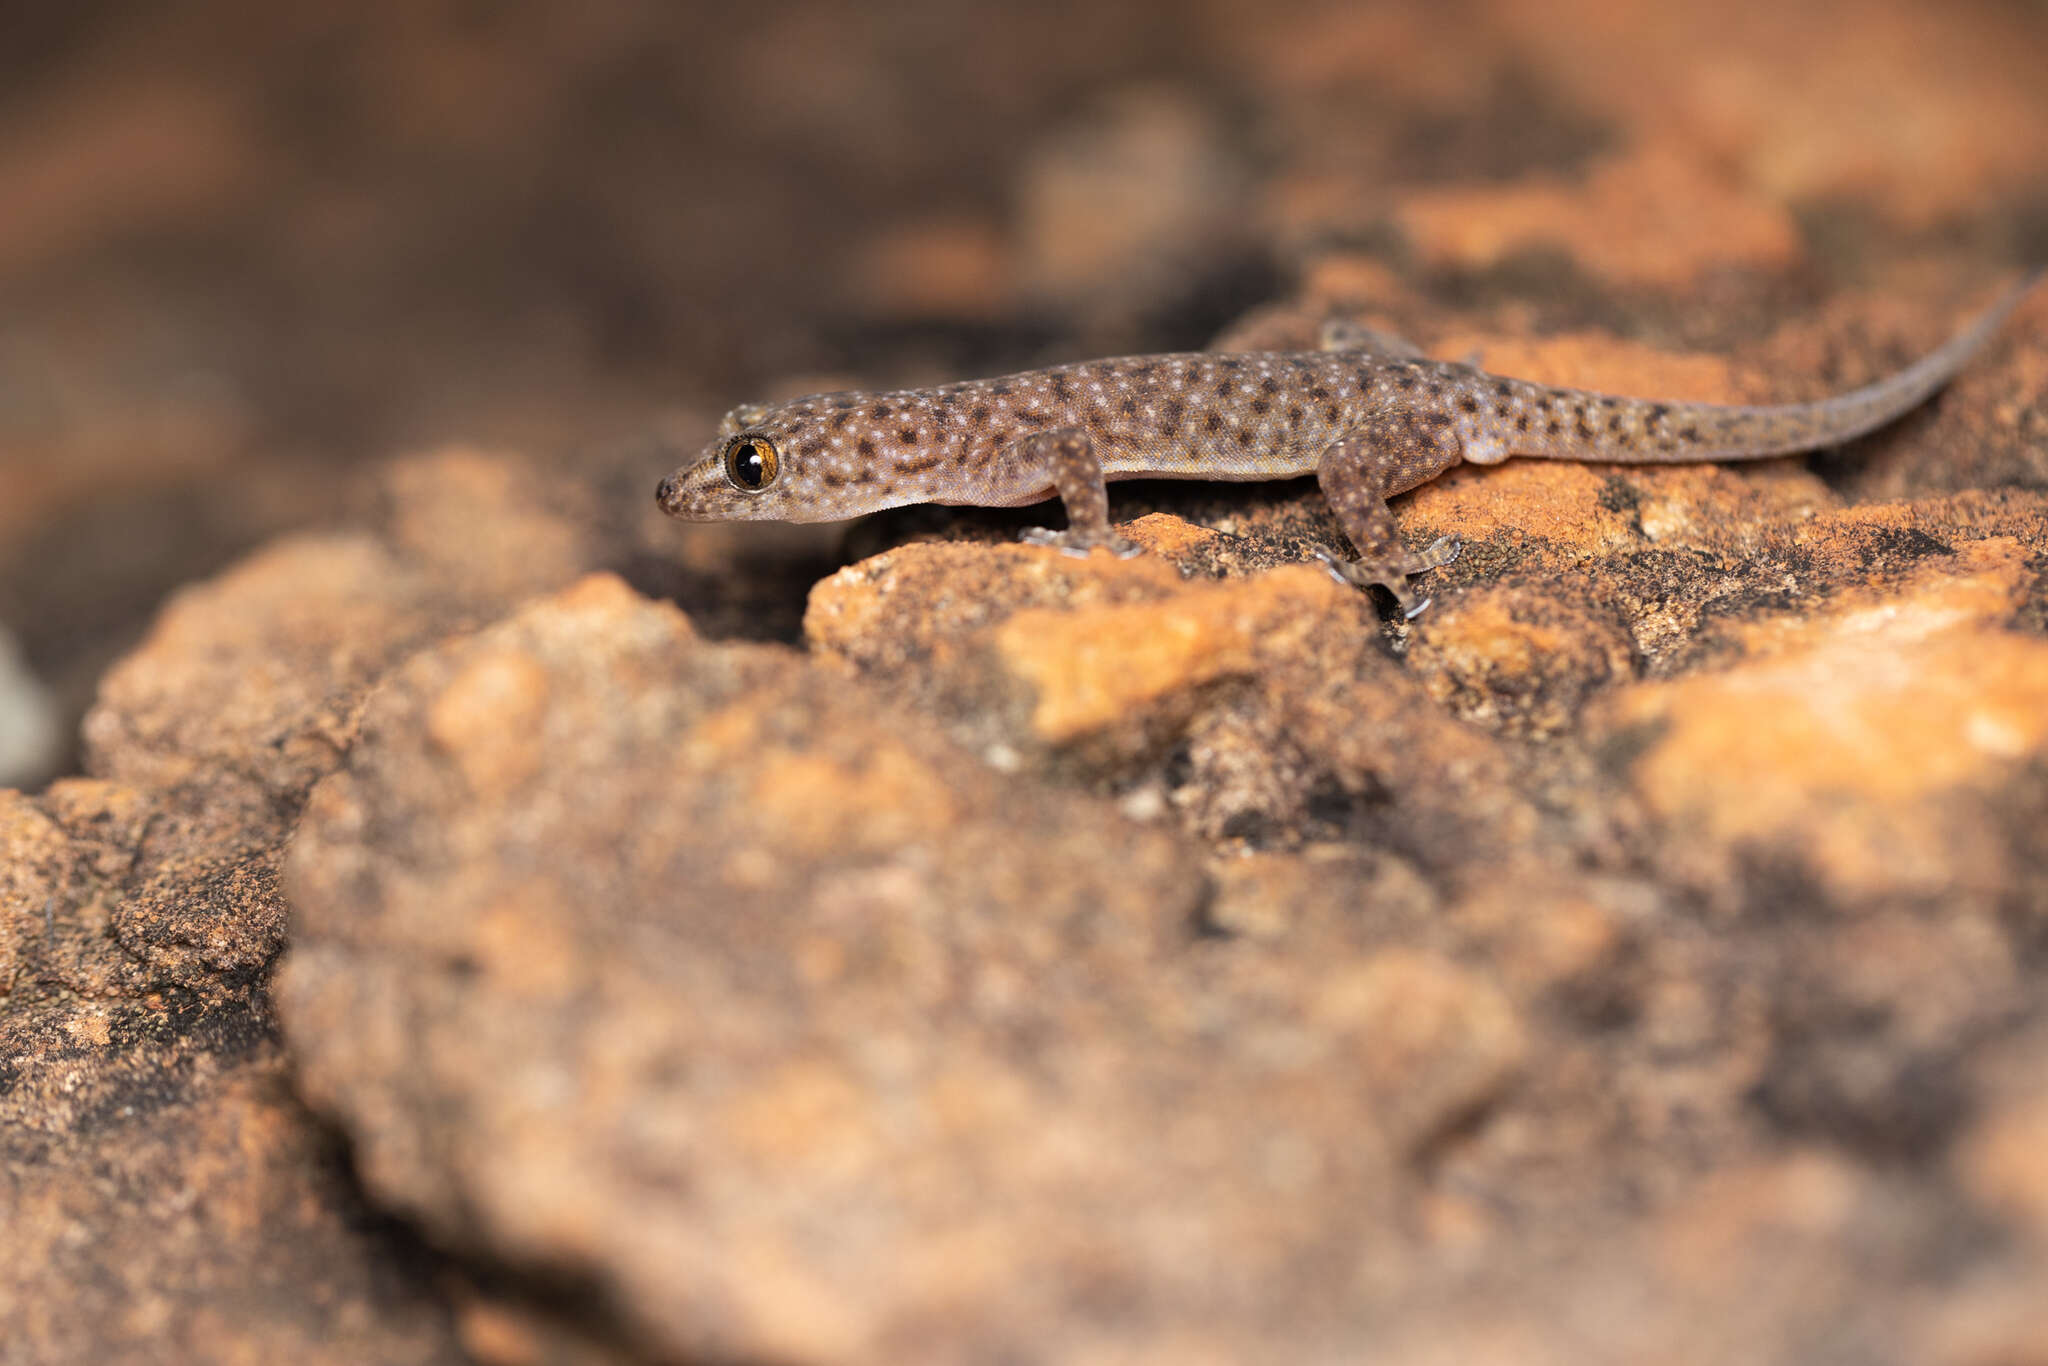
(1055, 958)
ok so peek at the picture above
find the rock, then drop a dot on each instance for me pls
(288, 641)
(2000, 1162)
(1997, 1156)
(1864, 746)
(1520, 660)
(162, 1189)
(1651, 217)
(1256, 706)
(1638, 956)
(712, 978)
(167, 1190)
(205, 1218)
(1770, 101)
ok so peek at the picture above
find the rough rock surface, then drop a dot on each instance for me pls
(797, 1030)
(163, 1193)
(725, 944)
(166, 1191)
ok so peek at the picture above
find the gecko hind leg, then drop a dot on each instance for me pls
(1066, 459)
(1390, 453)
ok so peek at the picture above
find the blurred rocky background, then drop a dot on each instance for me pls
(448, 912)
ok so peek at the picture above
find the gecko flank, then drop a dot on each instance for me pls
(1367, 415)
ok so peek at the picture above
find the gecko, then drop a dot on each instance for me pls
(1370, 416)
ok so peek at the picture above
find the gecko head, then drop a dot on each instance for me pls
(792, 462)
(750, 472)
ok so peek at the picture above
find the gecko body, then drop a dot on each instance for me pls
(1367, 416)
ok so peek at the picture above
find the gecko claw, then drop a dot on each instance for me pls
(1394, 577)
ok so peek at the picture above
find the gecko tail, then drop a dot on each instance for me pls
(1669, 433)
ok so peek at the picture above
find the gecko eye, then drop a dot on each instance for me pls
(750, 463)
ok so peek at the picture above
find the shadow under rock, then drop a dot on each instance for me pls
(758, 597)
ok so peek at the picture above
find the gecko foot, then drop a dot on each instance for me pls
(1080, 543)
(1393, 576)
(1435, 555)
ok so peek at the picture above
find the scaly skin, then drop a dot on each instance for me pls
(1368, 417)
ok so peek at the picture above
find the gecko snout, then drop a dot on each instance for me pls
(668, 492)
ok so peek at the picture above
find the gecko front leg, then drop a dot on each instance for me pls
(1391, 452)
(1066, 459)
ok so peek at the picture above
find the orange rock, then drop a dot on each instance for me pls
(1652, 217)
(1558, 501)
(1839, 746)
(1091, 669)
(1431, 1042)
(1517, 659)
(1799, 107)
(1730, 1217)
(485, 721)
(2000, 1163)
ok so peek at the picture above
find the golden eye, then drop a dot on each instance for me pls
(750, 463)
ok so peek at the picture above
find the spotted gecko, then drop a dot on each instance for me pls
(1367, 414)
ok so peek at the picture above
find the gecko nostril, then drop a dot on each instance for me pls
(665, 492)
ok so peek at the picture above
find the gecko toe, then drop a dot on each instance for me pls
(1392, 577)
(1436, 554)
(1335, 567)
